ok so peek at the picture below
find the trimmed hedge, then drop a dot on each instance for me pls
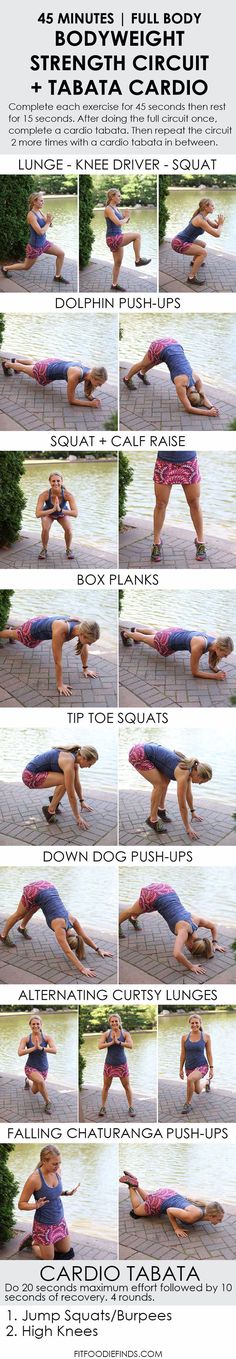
(125, 477)
(14, 232)
(86, 236)
(5, 600)
(12, 500)
(8, 1190)
(163, 209)
(2, 327)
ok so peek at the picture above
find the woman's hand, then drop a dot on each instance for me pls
(94, 401)
(195, 967)
(87, 972)
(220, 674)
(83, 825)
(192, 834)
(86, 805)
(64, 690)
(89, 674)
(69, 1192)
(181, 1074)
(219, 948)
(39, 1204)
(104, 953)
(196, 817)
(179, 1231)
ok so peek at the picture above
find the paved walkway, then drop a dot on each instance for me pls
(218, 826)
(85, 1245)
(152, 1238)
(219, 1106)
(97, 278)
(32, 407)
(40, 958)
(157, 406)
(167, 680)
(40, 279)
(178, 549)
(116, 1108)
(27, 678)
(21, 1106)
(219, 274)
(24, 553)
(22, 820)
(146, 955)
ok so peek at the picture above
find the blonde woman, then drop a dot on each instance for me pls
(56, 504)
(46, 371)
(161, 767)
(182, 1211)
(59, 768)
(196, 1057)
(50, 1229)
(69, 933)
(159, 897)
(57, 630)
(35, 1048)
(38, 244)
(197, 642)
(116, 1040)
(116, 239)
(187, 241)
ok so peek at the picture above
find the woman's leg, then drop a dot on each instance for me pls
(125, 1081)
(133, 238)
(192, 493)
(143, 634)
(60, 256)
(64, 1245)
(138, 367)
(42, 1252)
(25, 264)
(117, 262)
(19, 914)
(162, 494)
(10, 633)
(39, 1087)
(135, 1195)
(55, 781)
(199, 254)
(107, 1081)
(18, 367)
(159, 790)
(129, 913)
(67, 530)
(46, 525)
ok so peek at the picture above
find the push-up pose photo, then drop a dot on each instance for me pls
(117, 239)
(188, 385)
(197, 642)
(59, 769)
(69, 933)
(38, 222)
(73, 372)
(57, 630)
(44, 1186)
(116, 1040)
(183, 924)
(56, 505)
(161, 767)
(196, 1058)
(187, 242)
(181, 1211)
(36, 1048)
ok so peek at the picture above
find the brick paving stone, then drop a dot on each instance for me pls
(149, 951)
(40, 279)
(22, 820)
(97, 278)
(33, 407)
(158, 407)
(116, 1108)
(153, 1238)
(85, 1246)
(28, 677)
(219, 1106)
(40, 957)
(167, 680)
(219, 273)
(24, 553)
(178, 550)
(217, 821)
(19, 1104)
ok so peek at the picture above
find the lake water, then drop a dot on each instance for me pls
(218, 495)
(142, 219)
(18, 747)
(95, 1167)
(215, 745)
(67, 604)
(64, 231)
(209, 1171)
(222, 1029)
(90, 339)
(209, 342)
(207, 890)
(142, 1063)
(182, 203)
(94, 486)
(215, 613)
(63, 1028)
(90, 891)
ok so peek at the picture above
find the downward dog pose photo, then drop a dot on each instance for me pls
(56, 505)
(38, 222)
(69, 933)
(198, 643)
(187, 242)
(188, 385)
(117, 239)
(58, 631)
(35, 1048)
(179, 1209)
(196, 1057)
(161, 767)
(59, 769)
(49, 1225)
(73, 372)
(116, 1040)
(182, 923)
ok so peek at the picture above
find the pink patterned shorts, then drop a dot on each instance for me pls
(120, 1071)
(148, 895)
(176, 474)
(30, 894)
(31, 1072)
(138, 759)
(33, 252)
(161, 642)
(203, 1070)
(40, 372)
(154, 1202)
(47, 1236)
(114, 242)
(34, 780)
(181, 247)
(24, 634)
(156, 349)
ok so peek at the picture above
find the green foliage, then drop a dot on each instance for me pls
(134, 188)
(56, 184)
(14, 195)
(94, 1018)
(86, 237)
(5, 600)
(121, 597)
(163, 209)
(8, 1190)
(112, 423)
(233, 424)
(97, 453)
(12, 500)
(2, 326)
(125, 477)
(191, 181)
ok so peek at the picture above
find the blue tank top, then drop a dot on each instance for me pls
(41, 628)
(48, 761)
(52, 1210)
(190, 232)
(177, 456)
(180, 639)
(194, 1053)
(40, 1061)
(114, 228)
(116, 1054)
(174, 1201)
(34, 239)
(171, 909)
(175, 358)
(57, 369)
(48, 504)
(164, 760)
(51, 904)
